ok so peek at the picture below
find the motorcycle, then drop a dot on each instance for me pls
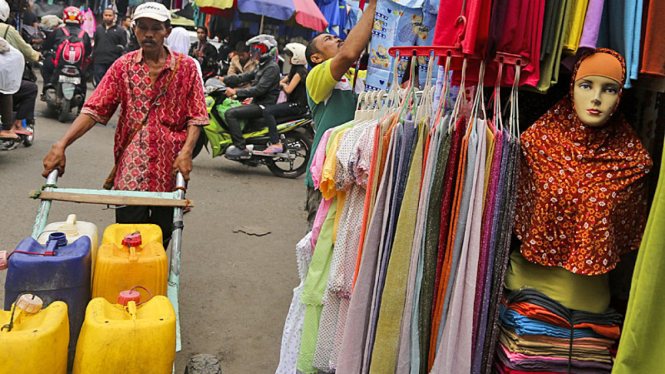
(296, 135)
(64, 91)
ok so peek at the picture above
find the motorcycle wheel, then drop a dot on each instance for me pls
(298, 147)
(63, 112)
(200, 142)
(28, 140)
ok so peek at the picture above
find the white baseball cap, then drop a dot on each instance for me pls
(152, 10)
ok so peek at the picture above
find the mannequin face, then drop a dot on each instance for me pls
(595, 99)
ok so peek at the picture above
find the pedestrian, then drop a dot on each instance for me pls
(330, 94)
(204, 52)
(24, 99)
(110, 41)
(126, 23)
(178, 41)
(162, 106)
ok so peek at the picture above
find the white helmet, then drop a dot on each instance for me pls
(4, 10)
(298, 52)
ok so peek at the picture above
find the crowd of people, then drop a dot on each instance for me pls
(250, 69)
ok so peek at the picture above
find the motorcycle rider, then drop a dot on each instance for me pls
(264, 91)
(294, 86)
(73, 18)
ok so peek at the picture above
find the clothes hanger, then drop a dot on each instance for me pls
(361, 100)
(461, 96)
(425, 103)
(514, 101)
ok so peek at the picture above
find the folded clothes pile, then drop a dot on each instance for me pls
(539, 335)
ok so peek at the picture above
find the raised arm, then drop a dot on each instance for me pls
(355, 43)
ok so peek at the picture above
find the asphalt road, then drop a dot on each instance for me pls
(235, 289)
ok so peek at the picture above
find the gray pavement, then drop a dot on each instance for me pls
(235, 289)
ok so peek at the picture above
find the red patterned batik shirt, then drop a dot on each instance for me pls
(147, 163)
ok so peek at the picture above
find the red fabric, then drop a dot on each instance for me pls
(653, 60)
(147, 163)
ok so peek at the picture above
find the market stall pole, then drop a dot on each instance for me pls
(174, 199)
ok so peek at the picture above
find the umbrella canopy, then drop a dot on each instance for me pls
(305, 12)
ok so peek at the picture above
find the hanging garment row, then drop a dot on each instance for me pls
(410, 243)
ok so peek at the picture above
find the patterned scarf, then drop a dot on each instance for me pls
(582, 196)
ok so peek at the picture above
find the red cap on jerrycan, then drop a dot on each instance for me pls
(132, 240)
(130, 295)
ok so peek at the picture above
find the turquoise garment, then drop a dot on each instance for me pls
(621, 30)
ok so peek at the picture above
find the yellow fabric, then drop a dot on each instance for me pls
(571, 41)
(574, 291)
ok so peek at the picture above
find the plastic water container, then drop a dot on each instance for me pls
(132, 262)
(55, 272)
(127, 337)
(74, 229)
(116, 233)
(36, 341)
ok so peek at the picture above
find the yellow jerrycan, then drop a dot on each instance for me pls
(131, 262)
(128, 337)
(116, 233)
(32, 339)
(74, 229)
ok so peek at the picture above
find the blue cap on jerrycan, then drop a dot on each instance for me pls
(55, 240)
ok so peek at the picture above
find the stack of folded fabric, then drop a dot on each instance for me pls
(539, 335)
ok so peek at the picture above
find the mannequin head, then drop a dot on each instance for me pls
(597, 84)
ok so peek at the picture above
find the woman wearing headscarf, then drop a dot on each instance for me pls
(178, 41)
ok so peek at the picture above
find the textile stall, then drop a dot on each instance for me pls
(450, 241)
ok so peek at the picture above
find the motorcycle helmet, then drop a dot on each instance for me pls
(72, 14)
(264, 46)
(298, 53)
(4, 10)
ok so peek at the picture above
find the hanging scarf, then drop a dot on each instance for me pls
(581, 196)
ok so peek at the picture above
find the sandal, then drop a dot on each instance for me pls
(272, 150)
(23, 132)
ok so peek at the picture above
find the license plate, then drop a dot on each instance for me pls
(66, 79)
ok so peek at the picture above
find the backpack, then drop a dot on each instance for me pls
(70, 51)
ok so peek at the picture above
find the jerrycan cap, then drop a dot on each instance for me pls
(129, 295)
(29, 303)
(3, 260)
(132, 240)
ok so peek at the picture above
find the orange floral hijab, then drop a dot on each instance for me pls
(581, 196)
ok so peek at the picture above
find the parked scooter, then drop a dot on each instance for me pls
(296, 136)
